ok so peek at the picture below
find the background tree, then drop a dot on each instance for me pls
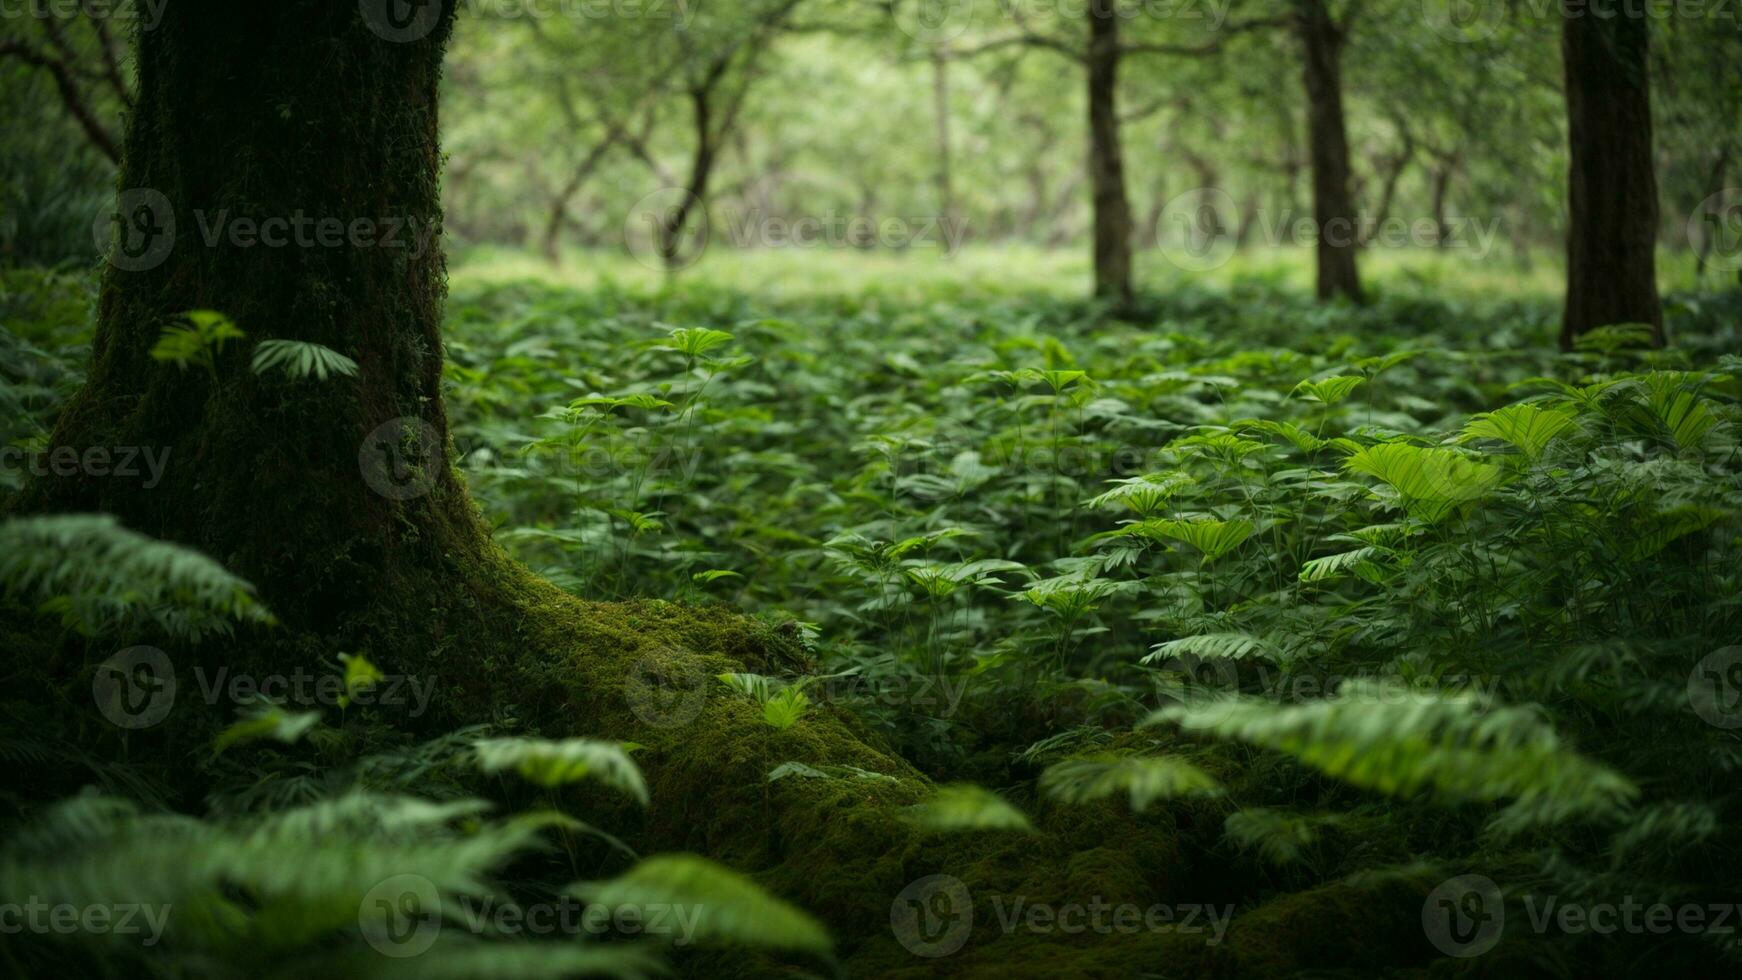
(1611, 183)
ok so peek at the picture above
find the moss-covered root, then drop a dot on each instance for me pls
(1095, 892)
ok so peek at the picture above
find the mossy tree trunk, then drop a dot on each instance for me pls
(281, 167)
(1611, 184)
(362, 538)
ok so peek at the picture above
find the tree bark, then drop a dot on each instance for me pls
(1611, 185)
(1441, 180)
(1333, 206)
(1112, 209)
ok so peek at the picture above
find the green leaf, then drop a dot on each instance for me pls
(268, 722)
(727, 906)
(1432, 482)
(964, 806)
(360, 675)
(1232, 646)
(1213, 538)
(1144, 779)
(299, 359)
(1524, 425)
(1402, 741)
(783, 709)
(553, 763)
(1329, 391)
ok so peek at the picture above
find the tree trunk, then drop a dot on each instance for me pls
(940, 94)
(559, 205)
(1112, 211)
(1714, 188)
(1442, 177)
(1611, 187)
(1333, 205)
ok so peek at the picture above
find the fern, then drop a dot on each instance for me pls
(301, 359)
(103, 579)
(557, 763)
(1143, 779)
(1400, 741)
(964, 806)
(1231, 646)
(727, 905)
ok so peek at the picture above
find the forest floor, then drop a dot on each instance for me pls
(1227, 603)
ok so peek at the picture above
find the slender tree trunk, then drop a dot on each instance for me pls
(559, 205)
(940, 97)
(1333, 206)
(1714, 186)
(695, 197)
(1611, 186)
(1442, 177)
(1112, 210)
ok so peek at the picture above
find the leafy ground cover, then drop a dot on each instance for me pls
(1393, 593)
